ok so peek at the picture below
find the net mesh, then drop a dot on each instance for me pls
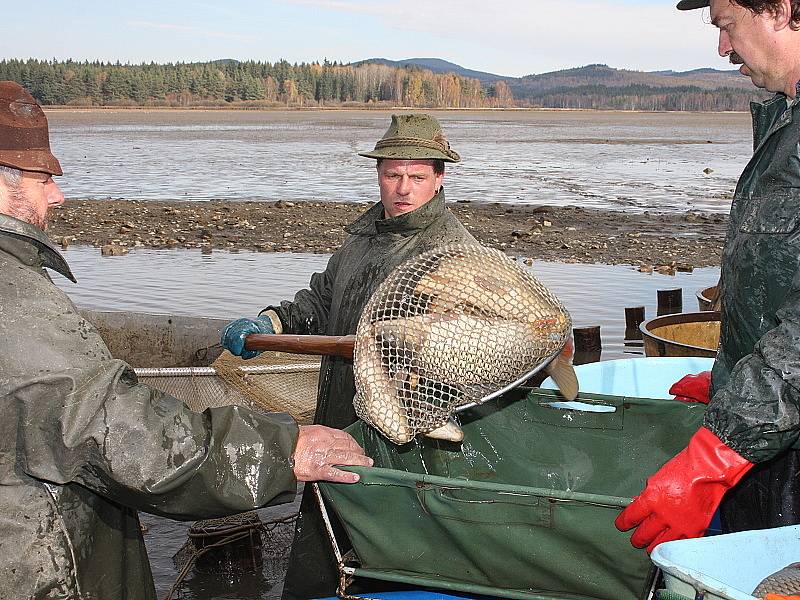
(236, 545)
(447, 329)
(271, 382)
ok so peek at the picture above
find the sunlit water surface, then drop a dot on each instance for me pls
(617, 160)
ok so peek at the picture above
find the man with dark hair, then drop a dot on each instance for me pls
(84, 445)
(410, 219)
(745, 457)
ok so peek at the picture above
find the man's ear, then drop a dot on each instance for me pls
(783, 15)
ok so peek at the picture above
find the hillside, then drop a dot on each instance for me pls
(705, 79)
(437, 65)
(414, 83)
(599, 86)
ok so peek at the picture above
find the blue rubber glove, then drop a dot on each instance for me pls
(236, 331)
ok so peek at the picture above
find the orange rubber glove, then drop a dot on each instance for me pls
(692, 388)
(780, 597)
(681, 497)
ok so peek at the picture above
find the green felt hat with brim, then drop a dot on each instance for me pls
(414, 137)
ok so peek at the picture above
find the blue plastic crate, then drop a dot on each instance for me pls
(726, 567)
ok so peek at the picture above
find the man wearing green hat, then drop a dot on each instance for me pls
(410, 219)
(745, 458)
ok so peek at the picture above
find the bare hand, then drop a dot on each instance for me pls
(319, 448)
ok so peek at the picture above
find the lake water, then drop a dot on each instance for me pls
(625, 161)
(187, 282)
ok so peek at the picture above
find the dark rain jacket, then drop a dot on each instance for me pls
(755, 407)
(83, 446)
(332, 305)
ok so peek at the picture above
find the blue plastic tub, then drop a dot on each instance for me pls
(726, 567)
(649, 377)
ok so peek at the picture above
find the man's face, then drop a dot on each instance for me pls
(406, 185)
(32, 200)
(754, 41)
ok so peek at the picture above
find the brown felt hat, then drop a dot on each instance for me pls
(414, 137)
(24, 140)
(692, 4)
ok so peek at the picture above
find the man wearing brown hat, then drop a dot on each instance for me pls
(83, 445)
(746, 457)
(410, 219)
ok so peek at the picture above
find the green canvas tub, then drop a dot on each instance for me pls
(524, 508)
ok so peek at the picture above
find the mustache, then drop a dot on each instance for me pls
(735, 58)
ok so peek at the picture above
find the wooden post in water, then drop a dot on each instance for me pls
(634, 316)
(588, 345)
(670, 301)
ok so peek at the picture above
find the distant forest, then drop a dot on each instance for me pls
(643, 97)
(281, 84)
(256, 84)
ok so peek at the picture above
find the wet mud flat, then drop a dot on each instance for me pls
(669, 240)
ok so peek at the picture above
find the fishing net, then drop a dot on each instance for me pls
(237, 545)
(448, 329)
(271, 382)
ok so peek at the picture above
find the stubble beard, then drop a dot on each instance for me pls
(20, 208)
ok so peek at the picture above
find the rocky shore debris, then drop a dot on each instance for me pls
(664, 242)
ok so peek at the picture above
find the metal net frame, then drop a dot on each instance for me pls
(449, 329)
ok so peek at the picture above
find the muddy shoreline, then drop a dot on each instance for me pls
(670, 241)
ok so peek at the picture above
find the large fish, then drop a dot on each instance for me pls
(785, 582)
(451, 329)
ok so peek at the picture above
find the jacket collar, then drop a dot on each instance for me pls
(30, 246)
(372, 221)
(771, 116)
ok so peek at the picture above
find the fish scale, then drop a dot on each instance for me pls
(785, 582)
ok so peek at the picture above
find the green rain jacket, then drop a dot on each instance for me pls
(333, 302)
(755, 406)
(332, 305)
(83, 445)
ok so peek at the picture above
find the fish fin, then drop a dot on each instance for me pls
(449, 431)
(564, 375)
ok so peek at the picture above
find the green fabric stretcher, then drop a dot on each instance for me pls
(524, 508)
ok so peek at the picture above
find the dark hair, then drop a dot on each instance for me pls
(438, 163)
(772, 7)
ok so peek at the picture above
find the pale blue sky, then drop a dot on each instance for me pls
(515, 38)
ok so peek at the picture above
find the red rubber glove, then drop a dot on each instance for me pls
(681, 497)
(692, 388)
